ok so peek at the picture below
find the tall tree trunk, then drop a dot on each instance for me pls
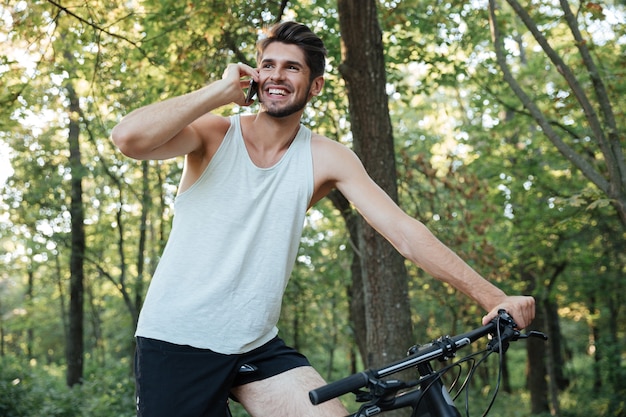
(384, 277)
(536, 350)
(30, 332)
(75, 343)
(146, 205)
(554, 344)
(536, 368)
(594, 340)
(613, 356)
(355, 291)
(557, 350)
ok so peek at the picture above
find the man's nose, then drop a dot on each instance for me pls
(277, 73)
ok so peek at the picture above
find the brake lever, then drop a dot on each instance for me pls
(535, 334)
(512, 335)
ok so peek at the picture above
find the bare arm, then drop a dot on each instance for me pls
(410, 237)
(174, 127)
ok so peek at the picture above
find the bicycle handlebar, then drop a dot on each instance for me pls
(339, 388)
(440, 348)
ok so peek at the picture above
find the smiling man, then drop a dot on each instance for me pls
(207, 329)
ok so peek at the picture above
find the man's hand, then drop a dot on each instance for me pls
(237, 77)
(521, 308)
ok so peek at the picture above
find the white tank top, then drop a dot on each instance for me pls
(234, 240)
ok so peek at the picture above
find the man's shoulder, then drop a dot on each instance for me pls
(214, 121)
(333, 160)
(327, 146)
(211, 127)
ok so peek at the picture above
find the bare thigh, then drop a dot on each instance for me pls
(287, 395)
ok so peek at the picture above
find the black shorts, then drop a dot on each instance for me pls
(183, 381)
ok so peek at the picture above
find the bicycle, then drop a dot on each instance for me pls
(427, 396)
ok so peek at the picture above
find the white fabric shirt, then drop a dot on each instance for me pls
(234, 240)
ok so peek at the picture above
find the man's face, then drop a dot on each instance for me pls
(285, 86)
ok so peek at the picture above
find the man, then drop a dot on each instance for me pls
(208, 326)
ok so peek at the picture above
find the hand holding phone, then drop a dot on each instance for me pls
(252, 91)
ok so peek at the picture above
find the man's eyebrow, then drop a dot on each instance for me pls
(288, 62)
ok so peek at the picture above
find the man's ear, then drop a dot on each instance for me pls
(316, 86)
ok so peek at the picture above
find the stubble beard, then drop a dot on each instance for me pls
(289, 109)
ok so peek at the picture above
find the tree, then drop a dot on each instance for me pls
(552, 215)
(601, 160)
(75, 341)
(472, 163)
(383, 275)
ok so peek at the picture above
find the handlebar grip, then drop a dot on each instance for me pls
(338, 388)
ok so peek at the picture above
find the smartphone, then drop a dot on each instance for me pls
(252, 90)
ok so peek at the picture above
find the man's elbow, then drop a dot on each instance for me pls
(126, 142)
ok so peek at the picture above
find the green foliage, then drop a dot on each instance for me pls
(13, 390)
(315, 316)
(473, 166)
(29, 390)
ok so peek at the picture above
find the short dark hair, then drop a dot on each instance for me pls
(300, 35)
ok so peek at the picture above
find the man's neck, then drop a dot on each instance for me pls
(267, 138)
(275, 131)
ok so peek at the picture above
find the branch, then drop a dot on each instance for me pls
(566, 150)
(617, 170)
(230, 42)
(281, 10)
(101, 29)
(565, 71)
(611, 147)
(119, 285)
(496, 97)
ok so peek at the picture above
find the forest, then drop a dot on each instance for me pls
(499, 124)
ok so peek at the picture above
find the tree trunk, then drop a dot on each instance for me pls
(146, 205)
(553, 327)
(536, 368)
(553, 344)
(355, 291)
(613, 357)
(536, 350)
(384, 277)
(75, 343)
(30, 332)
(594, 340)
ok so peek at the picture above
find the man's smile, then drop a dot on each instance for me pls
(277, 91)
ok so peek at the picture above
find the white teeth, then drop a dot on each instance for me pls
(276, 91)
